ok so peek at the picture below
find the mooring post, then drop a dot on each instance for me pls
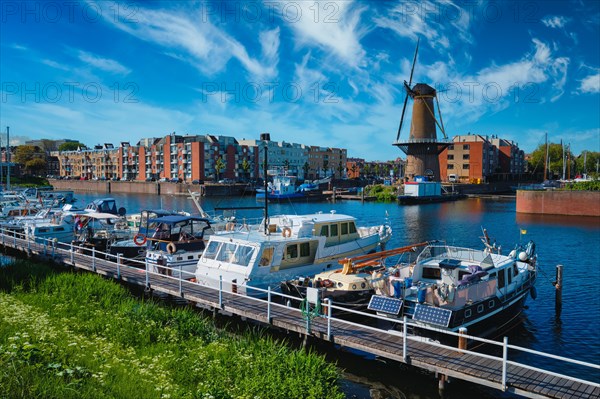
(441, 382)
(333, 195)
(328, 301)
(462, 338)
(362, 195)
(404, 339)
(558, 286)
(269, 304)
(504, 362)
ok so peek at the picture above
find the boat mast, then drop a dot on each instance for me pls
(266, 137)
(563, 159)
(546, 159)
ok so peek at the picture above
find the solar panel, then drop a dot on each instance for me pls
(432, 315)
(385, 304)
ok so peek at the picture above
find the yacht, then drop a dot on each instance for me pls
(287, 246)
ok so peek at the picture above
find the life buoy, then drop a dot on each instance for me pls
(139, 239)
(286, 232)
(171, 248)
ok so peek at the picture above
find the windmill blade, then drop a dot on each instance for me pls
(408, 89)
(412, 70)
(402, 117)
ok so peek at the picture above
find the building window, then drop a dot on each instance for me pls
(465, 156)
(466, 146)
(451, 166)
(466, 166)
(450, 156)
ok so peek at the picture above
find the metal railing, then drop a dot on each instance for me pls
(273, 299)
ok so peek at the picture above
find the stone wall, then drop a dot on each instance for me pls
(559, 202)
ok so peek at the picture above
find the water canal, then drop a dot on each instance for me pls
(572, 242)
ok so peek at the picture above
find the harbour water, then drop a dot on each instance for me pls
(572, 242)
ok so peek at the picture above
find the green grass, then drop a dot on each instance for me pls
(592, 185)
(26, 181)
(76, 335)
(383, 193)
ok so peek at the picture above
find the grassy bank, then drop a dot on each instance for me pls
(383, 193)
(76, 335)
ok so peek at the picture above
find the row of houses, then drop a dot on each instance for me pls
(201, 157)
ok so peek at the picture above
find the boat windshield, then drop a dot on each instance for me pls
(229, 252)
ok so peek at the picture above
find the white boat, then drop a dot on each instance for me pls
(449, 288)
(293, 245)
(58, 226)
(176, 244)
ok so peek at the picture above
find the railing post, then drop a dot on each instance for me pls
(328, 300)
(72, 260)
(15, 239)
(221, 292)
(404, 339)
(94, 259)
(269, 304)
(45, 247)
(147, 276)
(180, 278)
(504, 362)
(119, 266)
(28, 246)
(53, 248)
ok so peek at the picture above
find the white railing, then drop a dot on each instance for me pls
(268, 297)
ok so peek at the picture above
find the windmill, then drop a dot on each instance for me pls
(422, 147)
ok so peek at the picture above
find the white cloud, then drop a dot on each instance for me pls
(55, 65)
(19, 47)
(332, 26)
(104, 64)
(590, 84)
(556, 21)
(437, 22)
(188, 35)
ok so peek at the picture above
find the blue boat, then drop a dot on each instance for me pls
(283, 188)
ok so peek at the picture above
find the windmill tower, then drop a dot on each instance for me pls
(422, 147)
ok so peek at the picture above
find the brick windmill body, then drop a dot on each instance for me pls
(422, 147)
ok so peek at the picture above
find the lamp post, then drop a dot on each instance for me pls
(266, 137)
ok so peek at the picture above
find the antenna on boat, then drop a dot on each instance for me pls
(266, 137)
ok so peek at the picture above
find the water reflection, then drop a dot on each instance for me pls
(588, 222)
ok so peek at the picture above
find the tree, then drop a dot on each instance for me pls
(340, 169)
(246, 167)
(591, 162)
(219, 166)
(555, 159)
(31, 157)
(306, 168)
(70, 146)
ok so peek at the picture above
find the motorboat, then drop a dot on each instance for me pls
(284, 247)
(283, 188)
(105, 205)
(450, 287)
(176, 244)
(99, 230)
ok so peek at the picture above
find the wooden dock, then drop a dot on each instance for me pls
(497, 372)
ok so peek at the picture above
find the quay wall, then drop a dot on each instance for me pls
(559, 202)
(139, 187)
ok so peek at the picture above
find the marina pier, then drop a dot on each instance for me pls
(375, 336)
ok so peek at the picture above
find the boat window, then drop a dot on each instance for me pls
(467, 313)
(352, 227)
(226, 252)
(492, 276)
(501, 279)
(291, 251)
(211, 251)
(43, 230)
(463, 273)
(491, 304)
(333, 230)
(267, 256)
(515, 270)
(324, 231)
(190, 256)
(305, 249)
(431, 273)
(244, 255)
(479, 308)
(509, 276)
(59, 229)
(344, 228)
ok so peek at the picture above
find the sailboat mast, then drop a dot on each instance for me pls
(546, 159)
(564, 165)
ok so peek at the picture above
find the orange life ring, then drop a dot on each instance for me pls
(286, 232)
(139, 239)
(171, 248)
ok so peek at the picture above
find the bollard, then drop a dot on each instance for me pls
(462, 338)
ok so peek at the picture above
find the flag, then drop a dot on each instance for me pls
(523, 231)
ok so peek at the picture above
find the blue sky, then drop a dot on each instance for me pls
(322, 73)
